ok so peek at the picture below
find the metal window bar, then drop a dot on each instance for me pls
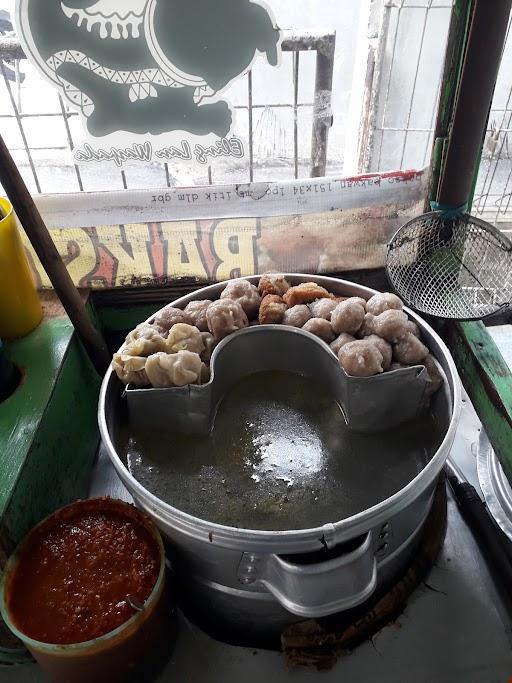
(493, 189)
(384, 61)
(323, 44)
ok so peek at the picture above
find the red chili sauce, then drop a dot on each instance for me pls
(76, 580)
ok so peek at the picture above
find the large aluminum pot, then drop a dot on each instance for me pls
(264, 579)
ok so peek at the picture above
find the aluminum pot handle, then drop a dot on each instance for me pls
(317, 590)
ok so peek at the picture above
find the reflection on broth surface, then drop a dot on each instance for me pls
(280, 457)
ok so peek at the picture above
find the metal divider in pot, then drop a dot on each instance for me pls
(369, 404)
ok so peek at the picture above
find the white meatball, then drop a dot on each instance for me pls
(297, 316)
(360, 359)
(384, 347)
(410, 350)
(224, 317)
(244, 294)
(384, 302)
(366, 328)
(143, 341)
(340, 341)
(183, 337)
(320, 328)
(197, 311)
(130, 369)
(390, 325)
(173, 369)
(358, 300)
(413, 329)
(169, 316)
(347, 317)
(322, 308)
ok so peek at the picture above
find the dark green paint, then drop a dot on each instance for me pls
(48, 430)
(120, 318)
(488, 382)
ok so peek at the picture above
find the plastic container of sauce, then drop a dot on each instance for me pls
(85, 592)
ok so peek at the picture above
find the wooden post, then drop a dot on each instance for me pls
(44, 247)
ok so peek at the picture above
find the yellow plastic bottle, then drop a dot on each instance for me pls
(20, 308)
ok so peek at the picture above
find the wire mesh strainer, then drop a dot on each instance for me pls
(458, 268)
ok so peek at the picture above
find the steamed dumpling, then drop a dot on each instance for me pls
(143, 341)
(173, 369)
(183, 337)
(130, 369)
(224, 317)
(197, 311)
(209, 345)
(169, 316)
(244, 294)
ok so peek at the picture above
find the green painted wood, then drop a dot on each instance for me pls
(48, 430)
(488, 382)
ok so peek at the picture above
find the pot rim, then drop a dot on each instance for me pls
(75, 649)
(329, 534)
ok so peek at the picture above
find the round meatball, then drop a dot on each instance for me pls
(347, 317)
(390, 325)
(197, 311)
(360, 359)
(384, 302)
(322, 308)
(357, 300)
(384, 347)
(413, 329)
(340, 341)
(169, 316)
(410, 350)
(272, 310)
(273, 283)
(244, 294)
(436, 378)
(297, 316)
(224, 317)
(321, 328)
(366, 328)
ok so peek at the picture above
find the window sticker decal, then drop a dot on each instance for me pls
(149, 77)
